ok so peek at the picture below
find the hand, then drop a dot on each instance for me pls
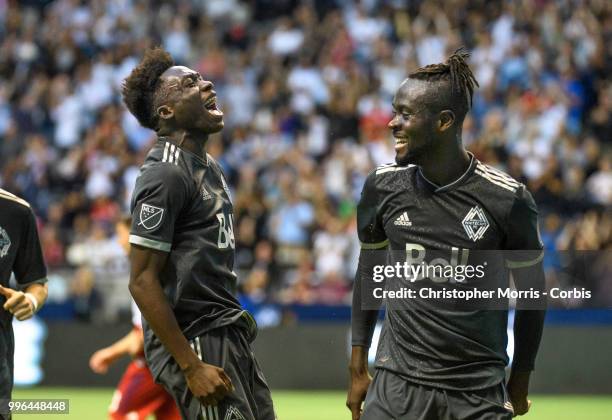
(101, 360)
(358, 387)
(208, 383)
(518, 388)
(17, 303)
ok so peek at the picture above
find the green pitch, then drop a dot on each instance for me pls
(91, 404)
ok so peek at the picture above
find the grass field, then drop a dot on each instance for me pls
(91, 404)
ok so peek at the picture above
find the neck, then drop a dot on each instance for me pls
(446, 164)
(192, 142)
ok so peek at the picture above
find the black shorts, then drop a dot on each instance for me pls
(392, 397)
(7, 350)
(228, 348)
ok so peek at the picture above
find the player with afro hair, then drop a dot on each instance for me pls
(197, 337)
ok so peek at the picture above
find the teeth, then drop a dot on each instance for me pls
(211, 106)
(211, 102)
(401, 141)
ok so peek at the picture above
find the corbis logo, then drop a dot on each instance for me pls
(5, 243)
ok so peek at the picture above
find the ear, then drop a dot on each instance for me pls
(165, 112)
(446, 119)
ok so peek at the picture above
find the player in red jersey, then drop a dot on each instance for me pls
(137, 396)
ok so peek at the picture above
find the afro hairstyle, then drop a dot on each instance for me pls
(140, 90)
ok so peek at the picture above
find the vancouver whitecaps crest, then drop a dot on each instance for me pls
(475, 223)
(5, 243)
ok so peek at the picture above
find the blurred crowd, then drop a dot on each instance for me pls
(306, 88)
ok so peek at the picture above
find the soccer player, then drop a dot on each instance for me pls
(137, 395)
(197, 336)
(438, 199)
(20, 254)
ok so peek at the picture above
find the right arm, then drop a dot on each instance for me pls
(363, 322)
(145, 287)
(364, 315)
(210, 384)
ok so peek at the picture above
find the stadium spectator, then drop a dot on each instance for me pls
(306, 91)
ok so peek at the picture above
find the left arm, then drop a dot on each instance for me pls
(528, 327)
(524, 259)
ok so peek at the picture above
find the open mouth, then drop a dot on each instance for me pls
(400, 143)
(211, 106)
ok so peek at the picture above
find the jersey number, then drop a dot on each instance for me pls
(226, 231)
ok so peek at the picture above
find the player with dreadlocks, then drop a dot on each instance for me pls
(197, 337)
(437, 205)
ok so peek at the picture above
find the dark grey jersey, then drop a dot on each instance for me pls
(436, 343)
(181, 205)
(21, 255)
(20, 251)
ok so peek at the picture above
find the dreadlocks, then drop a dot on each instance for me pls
(140, 89)
(456, 72)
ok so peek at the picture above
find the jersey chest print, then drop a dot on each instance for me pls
(226, 231)
(5, 243)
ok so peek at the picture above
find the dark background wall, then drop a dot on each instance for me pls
(572, 359)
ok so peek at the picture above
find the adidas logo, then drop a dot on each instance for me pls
(205, 194)
(403, 220)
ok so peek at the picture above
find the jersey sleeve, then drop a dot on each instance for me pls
(29, 267)
(369, 225)
(523, 243)
(159, 196)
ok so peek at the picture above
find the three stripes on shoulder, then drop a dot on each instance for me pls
(497, 177)
(492, 175)
(171, 153)
(10, 196)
